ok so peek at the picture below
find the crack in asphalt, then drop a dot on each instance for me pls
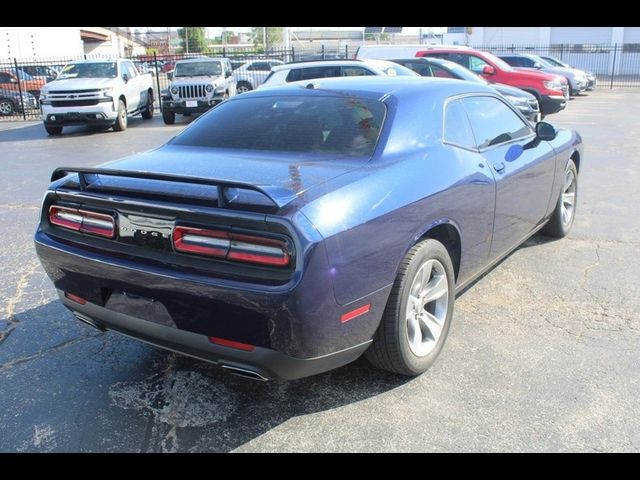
(17, 361)
(12, 323)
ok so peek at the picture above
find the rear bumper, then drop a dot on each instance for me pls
(263, 362)
(295, 329)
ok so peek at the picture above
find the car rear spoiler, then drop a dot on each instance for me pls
(278, 195)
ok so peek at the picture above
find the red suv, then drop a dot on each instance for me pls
(551, 90)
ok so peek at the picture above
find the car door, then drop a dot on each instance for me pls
(229, 77)
(258, 72)
(523, 166)
(131, 86)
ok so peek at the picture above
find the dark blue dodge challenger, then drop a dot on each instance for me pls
(290, 230)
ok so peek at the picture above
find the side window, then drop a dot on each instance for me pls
(493, 122)
(318, 72)
(5, 78)
(421, 68)
(355, 72)
(476, 64)
(440, 72)
(459, 58)
(457, 129)
(127, 67)
(260, 66)
(444, 56)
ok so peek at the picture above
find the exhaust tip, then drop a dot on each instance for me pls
(89, 321)
(243, 372)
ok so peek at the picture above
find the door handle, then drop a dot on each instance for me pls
(498, 167)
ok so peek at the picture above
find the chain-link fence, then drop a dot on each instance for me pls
(616, 66)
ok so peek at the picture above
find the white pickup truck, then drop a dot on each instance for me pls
(96, 92)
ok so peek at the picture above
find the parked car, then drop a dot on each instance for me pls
(8, 81)
(577, 79)
(96, 92)
(43, 71)
(551, 91)
(437, 67)
(592, 81)
(289, 230)
(168, 66)
(197, 84)
(12, 102)
(253, 73)
(292, 72)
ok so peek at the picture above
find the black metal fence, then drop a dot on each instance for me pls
(616, 66)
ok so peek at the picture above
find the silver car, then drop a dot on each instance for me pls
(577, 78)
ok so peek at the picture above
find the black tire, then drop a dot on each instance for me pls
(53, 129)
(6, 107)
(390, 349)
(147, 113)
(242, 87)
(121, 121)
(169, 117)
(557, 226)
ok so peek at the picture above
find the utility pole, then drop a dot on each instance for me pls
(186, 38)
(264, 39)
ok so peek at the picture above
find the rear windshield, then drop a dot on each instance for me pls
(340, 126)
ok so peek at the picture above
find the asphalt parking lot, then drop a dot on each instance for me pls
(543, 353)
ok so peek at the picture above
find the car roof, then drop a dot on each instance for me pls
(374, 87)
(98, 60)
(336, 63)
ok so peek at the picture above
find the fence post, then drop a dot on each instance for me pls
(224, 52)
(561, 51)
(346, 52)
(293, 54)
(613, 65)
(24, 114)
(155, 64)
(323, 51)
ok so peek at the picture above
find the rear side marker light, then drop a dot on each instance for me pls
(231, 246)
(82, 221)
(355, 313)
(231, 344)
(75, 298)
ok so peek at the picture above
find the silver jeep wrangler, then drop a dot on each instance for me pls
(197, 84)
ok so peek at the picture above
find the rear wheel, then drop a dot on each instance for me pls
(6, 107)
(53, 129)
(147, 113)
(168, 117)
(418, 314)
(121, 122)
(564, 214)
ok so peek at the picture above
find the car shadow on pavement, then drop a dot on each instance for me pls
(106, 392)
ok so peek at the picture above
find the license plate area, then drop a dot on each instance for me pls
(140, 307)
(191, 103)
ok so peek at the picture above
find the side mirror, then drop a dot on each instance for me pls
(227, 74)
(537, 65)
(170, 76)
(125, 77)
(546, 131)
(488, 70)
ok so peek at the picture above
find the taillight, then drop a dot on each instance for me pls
(82, 221)
(231, 246)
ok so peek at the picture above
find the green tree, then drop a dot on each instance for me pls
(192, 39)
(273, 35)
